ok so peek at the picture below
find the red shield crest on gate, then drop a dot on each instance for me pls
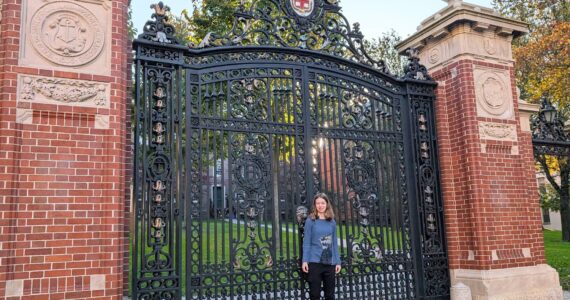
(303, 7)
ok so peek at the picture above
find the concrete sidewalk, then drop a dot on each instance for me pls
(566, 296)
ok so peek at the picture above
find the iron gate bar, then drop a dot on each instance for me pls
(352, 130)
(540, 142)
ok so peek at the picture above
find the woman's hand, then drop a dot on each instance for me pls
(337, 269)
(305, 267)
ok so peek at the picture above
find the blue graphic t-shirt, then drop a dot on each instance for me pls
(320, 243)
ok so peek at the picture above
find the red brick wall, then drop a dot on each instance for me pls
(490, 199)
(63, 194)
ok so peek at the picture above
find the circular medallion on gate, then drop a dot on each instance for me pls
(360, 176)
(426, 174)
(250, 173)
(159, 166)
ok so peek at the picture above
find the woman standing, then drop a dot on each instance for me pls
(321, 257)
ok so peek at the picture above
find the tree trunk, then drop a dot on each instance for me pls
(565, 202)
(562, 189)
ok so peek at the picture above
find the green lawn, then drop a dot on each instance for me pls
(558, 256)
(217, 237)
(557, 252)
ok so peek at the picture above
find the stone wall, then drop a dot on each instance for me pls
(64, 148)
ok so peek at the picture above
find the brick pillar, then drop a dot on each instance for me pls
(492, 212)
(64, 148)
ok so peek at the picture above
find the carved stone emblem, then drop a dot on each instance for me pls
(493, 93)
(489, 46)
(497, 131)
(434, 55)
(303, 7)
(492, 90)
(58, 91)
(66, 34)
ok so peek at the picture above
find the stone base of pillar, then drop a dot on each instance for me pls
(526, 283)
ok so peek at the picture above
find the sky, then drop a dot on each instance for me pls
(374, 16)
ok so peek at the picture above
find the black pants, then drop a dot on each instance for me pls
(320, 273)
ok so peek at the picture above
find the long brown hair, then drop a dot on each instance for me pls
(329, 212)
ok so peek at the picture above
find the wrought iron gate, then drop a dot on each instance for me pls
(235, 135)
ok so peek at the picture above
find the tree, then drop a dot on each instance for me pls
(542, 68)
(210, 16)
(384, 48)
(542, 56)
(182, 29)
(562, 171)
(130, 26)
(549, 198)
(543, 65)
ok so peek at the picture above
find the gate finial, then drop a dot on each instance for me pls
(415, 70)
(160, 9)
(159, 30)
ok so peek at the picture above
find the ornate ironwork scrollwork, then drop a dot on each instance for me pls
(250, 168)
(357, 111)
(284, 123)
(361, 179)
(436, 275)
(427, 178)
(249, 99)
(159, 30)
(279, 23)
(156, 261)
(429, 203)
(415, 70)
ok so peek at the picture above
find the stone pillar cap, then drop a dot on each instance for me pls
(530, 108)
(457, 11)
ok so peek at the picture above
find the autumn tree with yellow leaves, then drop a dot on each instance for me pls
(543, 70)
(543, 56)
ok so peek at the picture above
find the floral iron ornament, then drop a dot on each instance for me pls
(415, 70)
(159, 30)
(315, 25)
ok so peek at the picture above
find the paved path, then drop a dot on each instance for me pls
(566, 296)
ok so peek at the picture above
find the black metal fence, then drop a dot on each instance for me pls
(234, 136)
